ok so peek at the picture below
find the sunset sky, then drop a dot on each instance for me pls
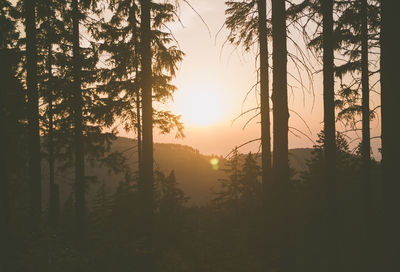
(213, 81)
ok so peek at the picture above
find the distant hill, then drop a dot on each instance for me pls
(193, 170)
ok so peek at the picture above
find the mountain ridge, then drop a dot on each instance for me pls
(193, 170)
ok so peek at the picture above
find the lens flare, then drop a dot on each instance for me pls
(214, 163)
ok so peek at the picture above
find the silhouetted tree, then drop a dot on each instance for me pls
(329, 132)
(78, 134)
(390, 145)
(33, 109)
(250, 183)
(280, 132)
(229, 194)
(146, 184)
(170, 201)
(366, 142)
(49, 35)
(121, 79)
(264, 97)
(8, 121)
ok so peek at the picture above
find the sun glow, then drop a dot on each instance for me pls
(201, 105)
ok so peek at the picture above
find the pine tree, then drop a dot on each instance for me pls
(78, 130)
(329, 132)
(146, 184)
(265, 117)
(33, 103)
(280, 130)
(250, 183)
(390, 146)
(170, 201)
(121, 79)
(366, 142)
(49, 35)
(228, 196)
(8, 120)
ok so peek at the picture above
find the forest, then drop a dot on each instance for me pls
(85, 186)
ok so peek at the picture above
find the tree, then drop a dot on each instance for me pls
(311, 189)
(33, 108)
(80, 204)
(170, 203)
(366, 142)
(264, 97)
(121, 78)
(146, 184)
(329, 133)
(250, 184)
(280, 130)
(170, 198)
(390, 146)
(50, 34)
(229, 195)
(8, 120)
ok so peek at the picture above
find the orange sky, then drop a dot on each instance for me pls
(230, 74)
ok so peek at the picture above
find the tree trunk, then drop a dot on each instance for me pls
(139, 133)
(265, 116)
(137, 85)
(33, 114)
(53, 189)
(366, 145)
(390, 146)
(80, 203)
(4, 212)
(330, 139)
(146, 184)
(280, 129)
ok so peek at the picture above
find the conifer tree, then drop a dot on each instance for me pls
(90, 111)
(264, 110)
(366, 142)
(229, 194)
(78, 134)
(251, 186)
(390, 145)
(329, 132)
(280, 130)
(121, 79)
(33, 104)
(146, 184)
(50, 35)
(8, 120)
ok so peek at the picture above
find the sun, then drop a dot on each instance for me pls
(201, 105)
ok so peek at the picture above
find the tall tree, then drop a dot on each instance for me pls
(280, 128)
(33, 115)
(4, 211)
(53, 187)
(121, 78)
(146, 183)
(138, 96)
(390, 145)
(366, 144)
(4, 202)
(264, 97)
(329, 133)
(80, 204)
(12, 112)
(48, 37)
(5, 26)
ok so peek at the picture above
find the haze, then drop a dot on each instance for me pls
(214, 67)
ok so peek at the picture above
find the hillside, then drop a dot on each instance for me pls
(193, 170)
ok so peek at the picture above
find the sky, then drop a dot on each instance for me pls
(212, 83)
